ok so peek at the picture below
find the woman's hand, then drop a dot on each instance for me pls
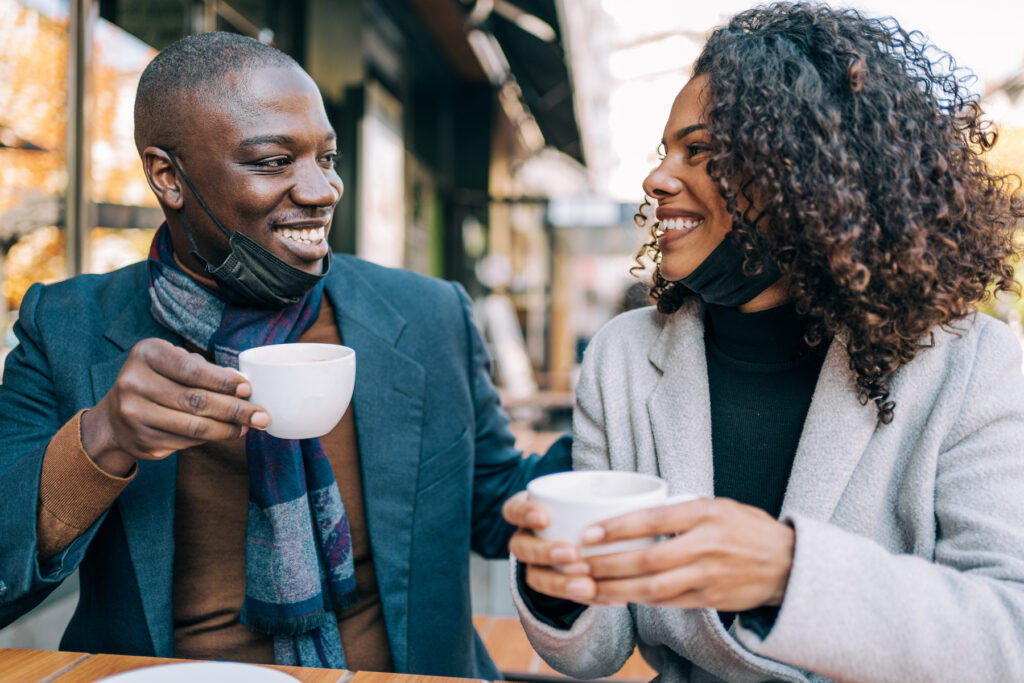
(721, 554)
(541, 557)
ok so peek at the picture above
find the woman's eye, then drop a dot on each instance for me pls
(697, 149)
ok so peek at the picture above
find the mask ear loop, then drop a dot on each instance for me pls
(188, 231)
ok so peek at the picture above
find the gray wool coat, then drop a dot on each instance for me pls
(909, 557)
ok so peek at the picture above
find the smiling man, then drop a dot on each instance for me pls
(131, 453)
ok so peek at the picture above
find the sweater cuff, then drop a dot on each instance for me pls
(555, 612)
(760, 619)
(73, 490)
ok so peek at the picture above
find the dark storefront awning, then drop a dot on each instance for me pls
(534, 53)
(540, 67)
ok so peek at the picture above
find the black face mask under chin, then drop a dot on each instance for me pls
(251, 276)
(720, 279)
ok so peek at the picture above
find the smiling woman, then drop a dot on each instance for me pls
(815, 371)
(863, 187)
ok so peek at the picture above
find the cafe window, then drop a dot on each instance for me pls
(33, 140)
(73, 196)
(38, 135)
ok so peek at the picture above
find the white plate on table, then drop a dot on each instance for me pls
(202, 672)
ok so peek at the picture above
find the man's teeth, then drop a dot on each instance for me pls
(680, 223)
(305, 235)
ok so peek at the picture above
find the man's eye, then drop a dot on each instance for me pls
(276, 162)
(330, 159)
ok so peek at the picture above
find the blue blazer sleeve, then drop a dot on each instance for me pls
(499, 469)
(30, 415)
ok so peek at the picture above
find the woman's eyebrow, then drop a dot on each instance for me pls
(683, 132)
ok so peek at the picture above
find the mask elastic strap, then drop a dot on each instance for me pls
(201, 202)
(195, 247)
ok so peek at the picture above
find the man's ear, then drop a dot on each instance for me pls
(162, 176)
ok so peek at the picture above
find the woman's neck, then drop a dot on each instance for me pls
(776, 295)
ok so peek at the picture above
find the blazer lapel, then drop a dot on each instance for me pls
(679, 406)
(388, 404)
(836, 432)
(147, 503)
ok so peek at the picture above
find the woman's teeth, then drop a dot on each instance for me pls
(680, 223)
(306, 235)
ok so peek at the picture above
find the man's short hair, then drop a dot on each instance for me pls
(190, 70)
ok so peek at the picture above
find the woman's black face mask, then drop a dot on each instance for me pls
(720, 279)
(251, 276)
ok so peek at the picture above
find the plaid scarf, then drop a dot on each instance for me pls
(298, 549)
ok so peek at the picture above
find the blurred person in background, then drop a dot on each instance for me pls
(815, 370)
(129, 453)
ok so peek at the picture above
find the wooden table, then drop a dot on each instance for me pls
(45, 666)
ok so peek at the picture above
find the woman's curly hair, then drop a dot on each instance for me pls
(860, 146)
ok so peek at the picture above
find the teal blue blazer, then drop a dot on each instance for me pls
(437, 459)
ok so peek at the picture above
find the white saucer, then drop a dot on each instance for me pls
(202, 672)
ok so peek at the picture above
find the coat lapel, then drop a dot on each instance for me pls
(388, 405)
(835, 434)
(679, 406)
(145, 503)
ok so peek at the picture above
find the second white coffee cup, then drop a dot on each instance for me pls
(305, 387)
(576, 500)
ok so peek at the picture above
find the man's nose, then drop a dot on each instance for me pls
(316, 186)
(661, 183)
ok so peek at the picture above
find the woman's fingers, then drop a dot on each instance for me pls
(549, 581)
(657, 557)
(657, 521)
(521, 511)
(651, 589)
(531, 549)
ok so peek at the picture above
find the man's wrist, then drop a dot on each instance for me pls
(101, 448)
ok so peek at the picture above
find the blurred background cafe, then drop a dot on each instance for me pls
(498, 143)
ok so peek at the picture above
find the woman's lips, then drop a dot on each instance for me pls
(673, 229)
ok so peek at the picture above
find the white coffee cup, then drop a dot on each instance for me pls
(305, 388)
(576, 500)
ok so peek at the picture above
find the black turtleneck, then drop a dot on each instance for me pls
(761, 376)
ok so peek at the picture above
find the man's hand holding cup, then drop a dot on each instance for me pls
(163, 400)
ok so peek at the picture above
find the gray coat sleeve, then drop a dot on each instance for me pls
(602, 638)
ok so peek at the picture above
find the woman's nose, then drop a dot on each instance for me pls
(661, 183)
